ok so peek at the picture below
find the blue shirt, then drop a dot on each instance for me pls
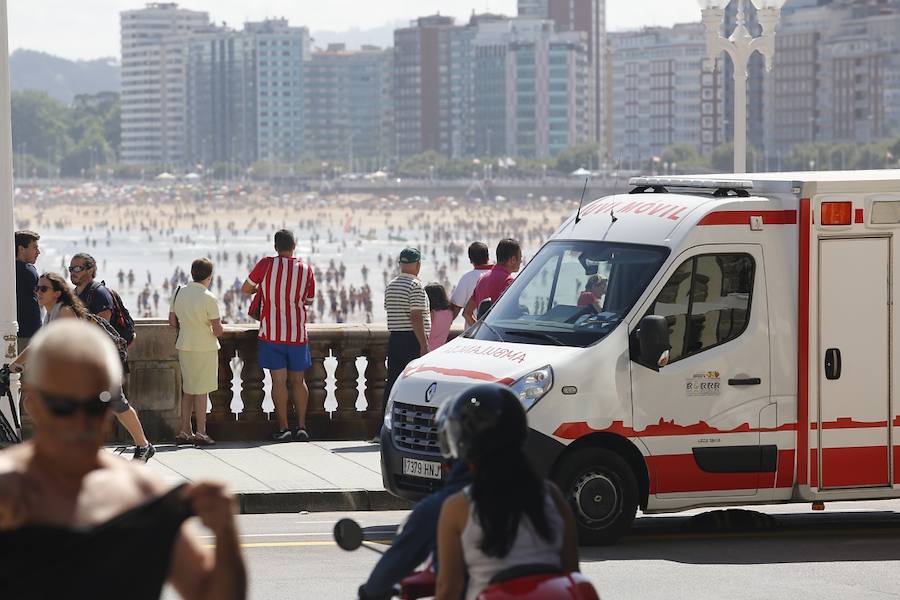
(28, 311)
(98, 299)
(417, 539)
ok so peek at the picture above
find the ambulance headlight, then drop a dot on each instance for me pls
(389, 409)
(534, 386)
(388, 412)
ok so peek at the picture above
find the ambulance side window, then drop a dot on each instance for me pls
(706, 302)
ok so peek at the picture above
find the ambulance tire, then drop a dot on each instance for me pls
(603, 492)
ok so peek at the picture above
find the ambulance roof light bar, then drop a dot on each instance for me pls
(686, 182)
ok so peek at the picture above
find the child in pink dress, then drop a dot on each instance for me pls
(441, 315)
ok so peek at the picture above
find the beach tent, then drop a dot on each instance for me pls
(192, 176)
(165, 176)
(580, 172)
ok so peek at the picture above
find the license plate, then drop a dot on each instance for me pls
(421, 468)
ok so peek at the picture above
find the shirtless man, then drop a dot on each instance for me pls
(63, 480)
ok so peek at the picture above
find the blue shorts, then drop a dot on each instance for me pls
(292, 357)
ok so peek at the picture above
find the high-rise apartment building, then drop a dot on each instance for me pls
(221, 102)
(533, 89)
(496, 85)
(154, 64)
(537, 9)
(347, 106)
(836, 75)
(281, 53)
(667, 92)
(588, 16)
(423, 63)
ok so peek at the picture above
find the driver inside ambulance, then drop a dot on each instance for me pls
(593, 293)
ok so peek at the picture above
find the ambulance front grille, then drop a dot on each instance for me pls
(413, 428)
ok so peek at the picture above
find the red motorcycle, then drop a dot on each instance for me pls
(523, 582)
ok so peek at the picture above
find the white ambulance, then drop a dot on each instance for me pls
(699, 341)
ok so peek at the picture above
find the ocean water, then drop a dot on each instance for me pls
(328, 233)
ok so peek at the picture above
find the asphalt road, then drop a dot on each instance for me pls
(849, 551)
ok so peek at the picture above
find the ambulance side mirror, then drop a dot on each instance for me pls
(483, 307)
(653, 341)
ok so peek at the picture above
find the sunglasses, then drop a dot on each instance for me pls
(65, 406)
(79, 268)
(43, 288)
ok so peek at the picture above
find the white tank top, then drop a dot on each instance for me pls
(528, 548)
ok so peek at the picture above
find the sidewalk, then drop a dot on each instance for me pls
(270, 477)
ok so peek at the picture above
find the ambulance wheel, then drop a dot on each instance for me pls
(603, 492)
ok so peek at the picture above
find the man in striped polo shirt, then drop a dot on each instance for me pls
(287, 289)
(408, 318)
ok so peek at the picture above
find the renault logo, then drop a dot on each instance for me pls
(429, 393)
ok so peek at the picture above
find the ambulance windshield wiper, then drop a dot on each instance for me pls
(491, 329)
(538, 334)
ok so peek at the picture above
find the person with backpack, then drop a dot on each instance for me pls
(106, 304)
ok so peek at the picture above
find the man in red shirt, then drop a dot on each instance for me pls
(494, 282)
(288, 288)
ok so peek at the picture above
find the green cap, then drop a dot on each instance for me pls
(410, 256)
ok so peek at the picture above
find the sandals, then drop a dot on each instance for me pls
(195, 439)
(202, 439)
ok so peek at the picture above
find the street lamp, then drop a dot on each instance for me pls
(740, 46)
(8, 324)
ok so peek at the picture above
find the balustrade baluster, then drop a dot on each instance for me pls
(252, 393)
(346, 382)
(376, 375)
(221, 398)
(315, 380)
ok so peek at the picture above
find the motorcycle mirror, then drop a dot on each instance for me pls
(348, 534)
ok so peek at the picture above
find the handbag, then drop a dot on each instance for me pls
(255, 309)
(177, 322)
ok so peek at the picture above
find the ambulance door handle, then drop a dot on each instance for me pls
(745, 381)
(833, 363)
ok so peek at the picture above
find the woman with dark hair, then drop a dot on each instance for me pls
(441, 315)
(508, 516)
(59, 302)
(58, 299)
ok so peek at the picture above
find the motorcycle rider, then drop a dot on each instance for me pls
(507, 516)
(416, 539)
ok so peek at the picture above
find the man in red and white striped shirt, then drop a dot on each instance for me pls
(287, 288)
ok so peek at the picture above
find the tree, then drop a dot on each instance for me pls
(722, 159)
(576, 157)
(420, 165)
(76, 138)
(39, 125)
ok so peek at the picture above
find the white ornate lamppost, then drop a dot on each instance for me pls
(8, 325)
(740, 46)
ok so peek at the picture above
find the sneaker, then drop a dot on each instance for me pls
(301, 435)
(375, 440)
(143, 453)
(285, 435)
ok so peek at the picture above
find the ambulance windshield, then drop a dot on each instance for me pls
(572, 293)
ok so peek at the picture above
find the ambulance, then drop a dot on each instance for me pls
(699, 341)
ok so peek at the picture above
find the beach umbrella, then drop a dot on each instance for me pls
(165, 176)
(580, 172)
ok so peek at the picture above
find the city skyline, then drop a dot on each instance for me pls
(57, 29)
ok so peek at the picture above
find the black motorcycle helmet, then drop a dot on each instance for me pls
(483, 419)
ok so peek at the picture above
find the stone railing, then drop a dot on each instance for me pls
(355, 370)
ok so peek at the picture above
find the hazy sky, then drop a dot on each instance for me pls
(90, 28)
